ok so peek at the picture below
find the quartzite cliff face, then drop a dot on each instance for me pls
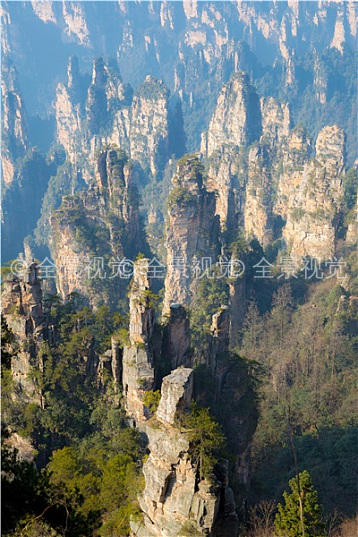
(93, 231)
(237, 117)
(138, 355)
(23, 311)
(274, 188)
(14, 142)
(187, 42)
(191, 232)
(106, 112)
(256, 177)
(174, 499)
(313, 197)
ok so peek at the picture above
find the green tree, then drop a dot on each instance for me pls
(8, 345)
(205, 438)
(23, 493)
(151, 400)
(350, 186)
(288, 520)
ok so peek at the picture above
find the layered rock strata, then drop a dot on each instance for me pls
(274, 189)
(174, 500)
(23, 311)
(138, 357)
(14, 142)
(93, 230)
(237, 117)
(313, 198)
(191, 232)
(104, 112)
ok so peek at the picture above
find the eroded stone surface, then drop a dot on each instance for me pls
(192, 230)
(22, 308)
(177, 389)
(237, 117)
(174, 500)
(138, 358)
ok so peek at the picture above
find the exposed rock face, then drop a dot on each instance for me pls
(85, 112)
(89, 117)
(295, 153)
(243, 184)
(101, 222)
(110, 365)
(173, 501)
(314, 198)
(140, 311)
(105, 94)
(226, 178)
(237, 291)
(276, 190)
(220, 330)
(237, 117)
(138, 358)
(67, 120)
(149, 129)
(306, 194)
(193, 49)
(14, 143)
(25, 450)
(177, 389)
(257, 214)
(231, 390)
(75, 21)
(276, 119)
(177, 337)
(320, 80)
(22, 309)
(192, 230)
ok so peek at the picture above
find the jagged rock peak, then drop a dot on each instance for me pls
(99, 74)
(276, 118)
(192, 227)
(140, 304)
(310, 193)
(257, 210)
(152, 88)
(177, 389)
(237, 117)
(73, 73)
(149, 126)
(107, 214)
(330, 145)
(299, 140)
(14, 142)
(175, 500)
(138, 358)
(189, 174)
(113, 171)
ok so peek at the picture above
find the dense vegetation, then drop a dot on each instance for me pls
(299, 347)
(306, 344)
(290, 374)
(89, 461)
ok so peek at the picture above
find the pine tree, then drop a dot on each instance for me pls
(205, 437)
(288, 522)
